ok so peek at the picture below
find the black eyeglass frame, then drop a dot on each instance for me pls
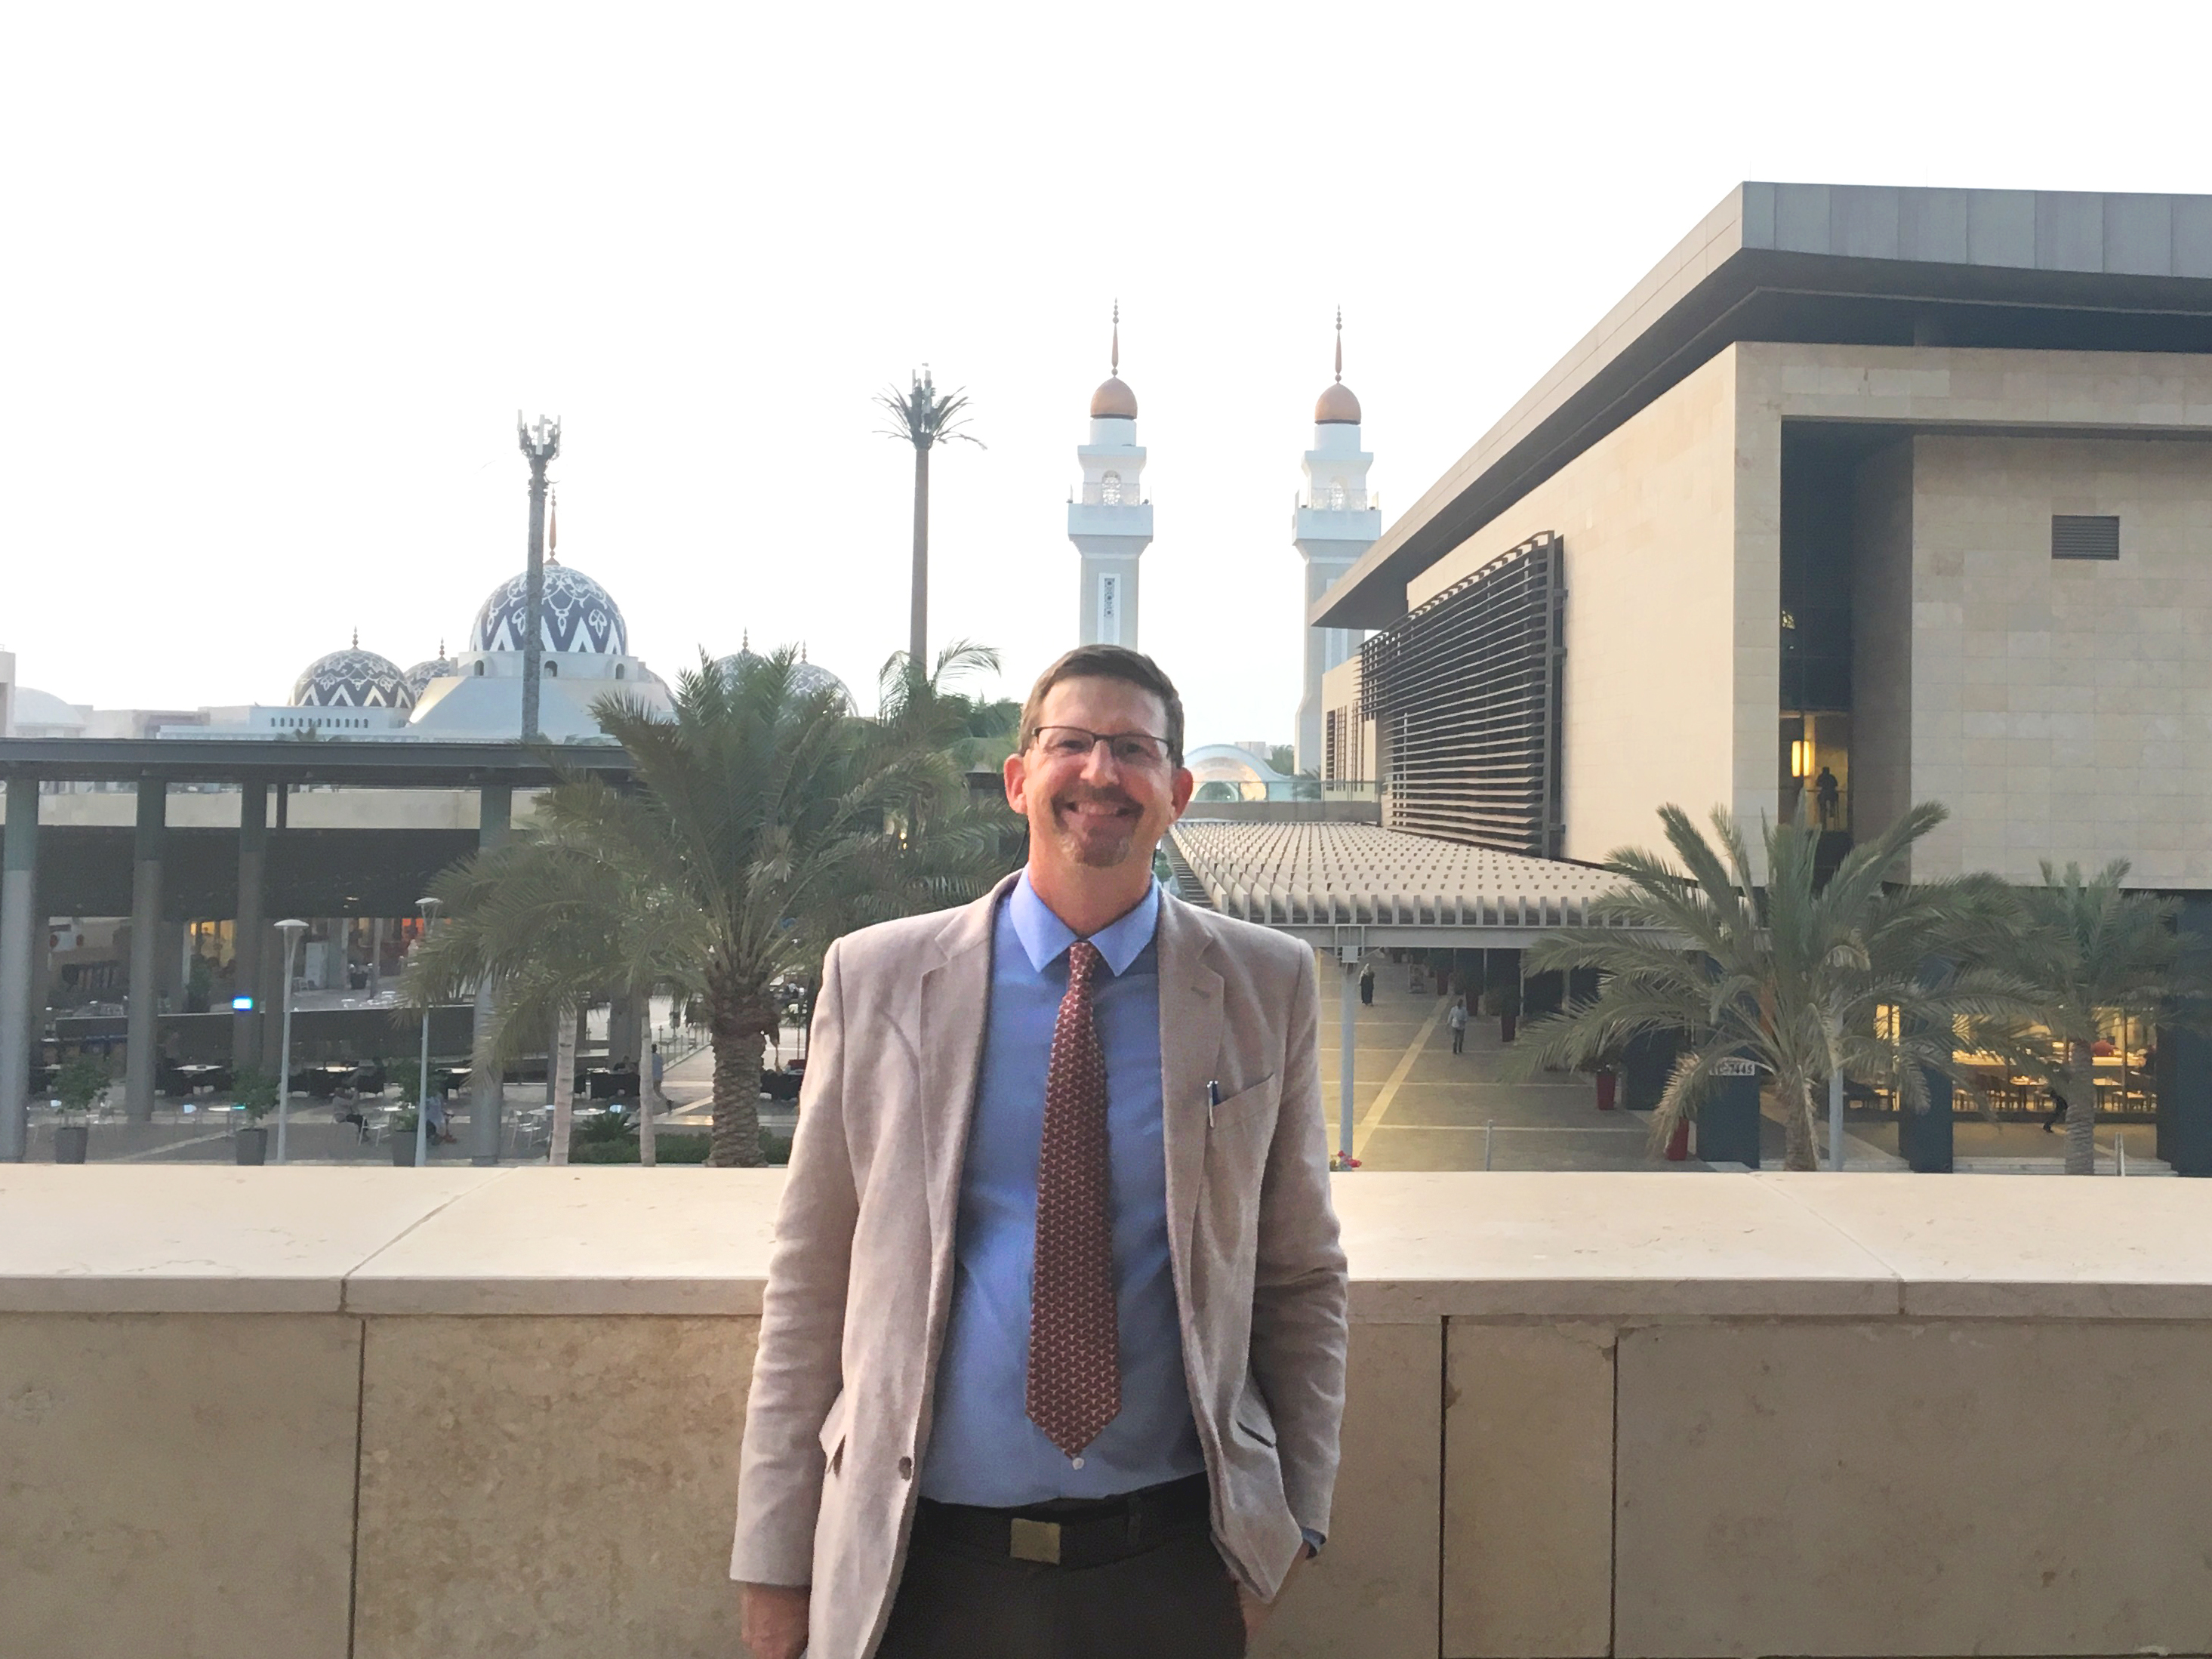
(1167, 755)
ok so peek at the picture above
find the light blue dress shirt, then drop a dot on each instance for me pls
(982, 1447)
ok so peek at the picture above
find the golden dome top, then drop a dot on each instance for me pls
(1114, 401)
(1336, 406)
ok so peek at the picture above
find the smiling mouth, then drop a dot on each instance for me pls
(1097, 811)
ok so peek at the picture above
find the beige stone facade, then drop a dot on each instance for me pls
(2059, 708)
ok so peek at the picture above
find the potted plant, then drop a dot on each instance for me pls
(255, 1091)
(78, 1086)
(1505, 1002)
(402, 1131)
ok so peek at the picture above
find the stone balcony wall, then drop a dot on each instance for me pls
(311, 1413)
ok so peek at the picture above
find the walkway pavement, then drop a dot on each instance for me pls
(1419, 1106)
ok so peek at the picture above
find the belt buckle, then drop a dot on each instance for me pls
(1035, 1540)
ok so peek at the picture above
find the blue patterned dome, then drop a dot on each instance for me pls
(806, 678)
(352, 679)
(578, 615)
(419, 677)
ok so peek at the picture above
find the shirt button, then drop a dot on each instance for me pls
(906, 1469)
(1076, 1462)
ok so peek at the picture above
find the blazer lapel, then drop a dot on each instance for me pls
(956, 993)
(1190, 1048)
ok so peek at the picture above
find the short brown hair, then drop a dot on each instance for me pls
(1107, 662)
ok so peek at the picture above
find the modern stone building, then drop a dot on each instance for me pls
(1878, 495)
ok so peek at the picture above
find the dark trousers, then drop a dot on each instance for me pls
(1175, 1601)
(1459, 1039)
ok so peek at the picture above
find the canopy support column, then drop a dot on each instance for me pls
(19, 881)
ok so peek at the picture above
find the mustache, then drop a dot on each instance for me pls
(1086, 796)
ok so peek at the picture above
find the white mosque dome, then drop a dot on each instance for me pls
(419, 677)
(352, 679)
(577, 615)
(807, 678)
(42, 714)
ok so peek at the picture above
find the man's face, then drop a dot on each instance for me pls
(1090, 809)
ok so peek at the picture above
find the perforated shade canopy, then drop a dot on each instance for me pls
(1347, 883)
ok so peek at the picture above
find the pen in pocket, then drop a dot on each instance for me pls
(1213, 1100)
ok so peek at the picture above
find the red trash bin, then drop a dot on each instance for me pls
(1678, 1143)
(1605, 1087)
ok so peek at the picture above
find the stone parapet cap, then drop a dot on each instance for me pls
(139, 1238)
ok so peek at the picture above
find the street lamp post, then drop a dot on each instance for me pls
(292, 929)
(430, 908)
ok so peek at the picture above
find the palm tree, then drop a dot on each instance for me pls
(924, 417)
(761, 823)
(1791, 976)
(2090, 951)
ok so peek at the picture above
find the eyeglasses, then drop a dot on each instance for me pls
(1071, 742)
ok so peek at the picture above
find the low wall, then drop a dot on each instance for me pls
(311, 1413)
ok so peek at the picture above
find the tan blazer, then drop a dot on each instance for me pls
(860, 1280)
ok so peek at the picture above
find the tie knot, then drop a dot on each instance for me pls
(1083, 962)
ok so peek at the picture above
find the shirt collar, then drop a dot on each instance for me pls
(1045, 938)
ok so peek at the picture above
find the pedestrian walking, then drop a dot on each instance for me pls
(1367, 984)
(1457, 1020)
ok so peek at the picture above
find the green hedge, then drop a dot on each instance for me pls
(671, 1148)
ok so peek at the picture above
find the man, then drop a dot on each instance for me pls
(1051, 1357)
(1457, 1020)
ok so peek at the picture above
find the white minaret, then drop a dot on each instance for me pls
(1109, 518)
(1336, 521)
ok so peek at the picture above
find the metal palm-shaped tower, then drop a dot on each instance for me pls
(540, 444)
(924, 417)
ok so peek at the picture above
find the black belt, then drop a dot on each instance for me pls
(1073, 1532)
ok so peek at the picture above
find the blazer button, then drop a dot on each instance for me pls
(906, 1469)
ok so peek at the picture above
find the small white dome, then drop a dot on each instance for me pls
(44, 713)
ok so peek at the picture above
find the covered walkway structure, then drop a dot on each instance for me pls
(1351, 888)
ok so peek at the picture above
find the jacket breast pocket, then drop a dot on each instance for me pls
(1255, 1104)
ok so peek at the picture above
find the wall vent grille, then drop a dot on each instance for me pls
(2084, 536)
(1465, 694)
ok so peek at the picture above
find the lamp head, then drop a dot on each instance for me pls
(292, 927)
(430, 907)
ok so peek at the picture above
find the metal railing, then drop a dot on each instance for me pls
(1347, 500)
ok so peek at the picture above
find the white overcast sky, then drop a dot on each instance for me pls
(276, 280)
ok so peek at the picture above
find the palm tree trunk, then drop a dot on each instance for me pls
(2081, 1111)
(1797, 1134)
(646, 1152)
(563, 1061)
(918, 620)
(738, 1019)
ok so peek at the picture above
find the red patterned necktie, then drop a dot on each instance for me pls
(1075, 1373)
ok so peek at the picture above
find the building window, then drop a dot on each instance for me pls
(2085, 536)
(1336, 496)
(618, 670)
(552, 671)
(1109, 489)
(479, 668)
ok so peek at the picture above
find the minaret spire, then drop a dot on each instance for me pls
(1339, 345)
(1116, 364)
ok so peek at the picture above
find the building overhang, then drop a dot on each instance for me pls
(1823, 264)
(365, 763)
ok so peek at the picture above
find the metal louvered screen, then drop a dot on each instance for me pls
(1466, 693)
(2084, 536)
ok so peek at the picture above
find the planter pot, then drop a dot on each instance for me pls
(1678, 1143)
(402, 1150)
(253, 1145)
(69, 1143)
(1506, 1023)
(1605, 1087)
